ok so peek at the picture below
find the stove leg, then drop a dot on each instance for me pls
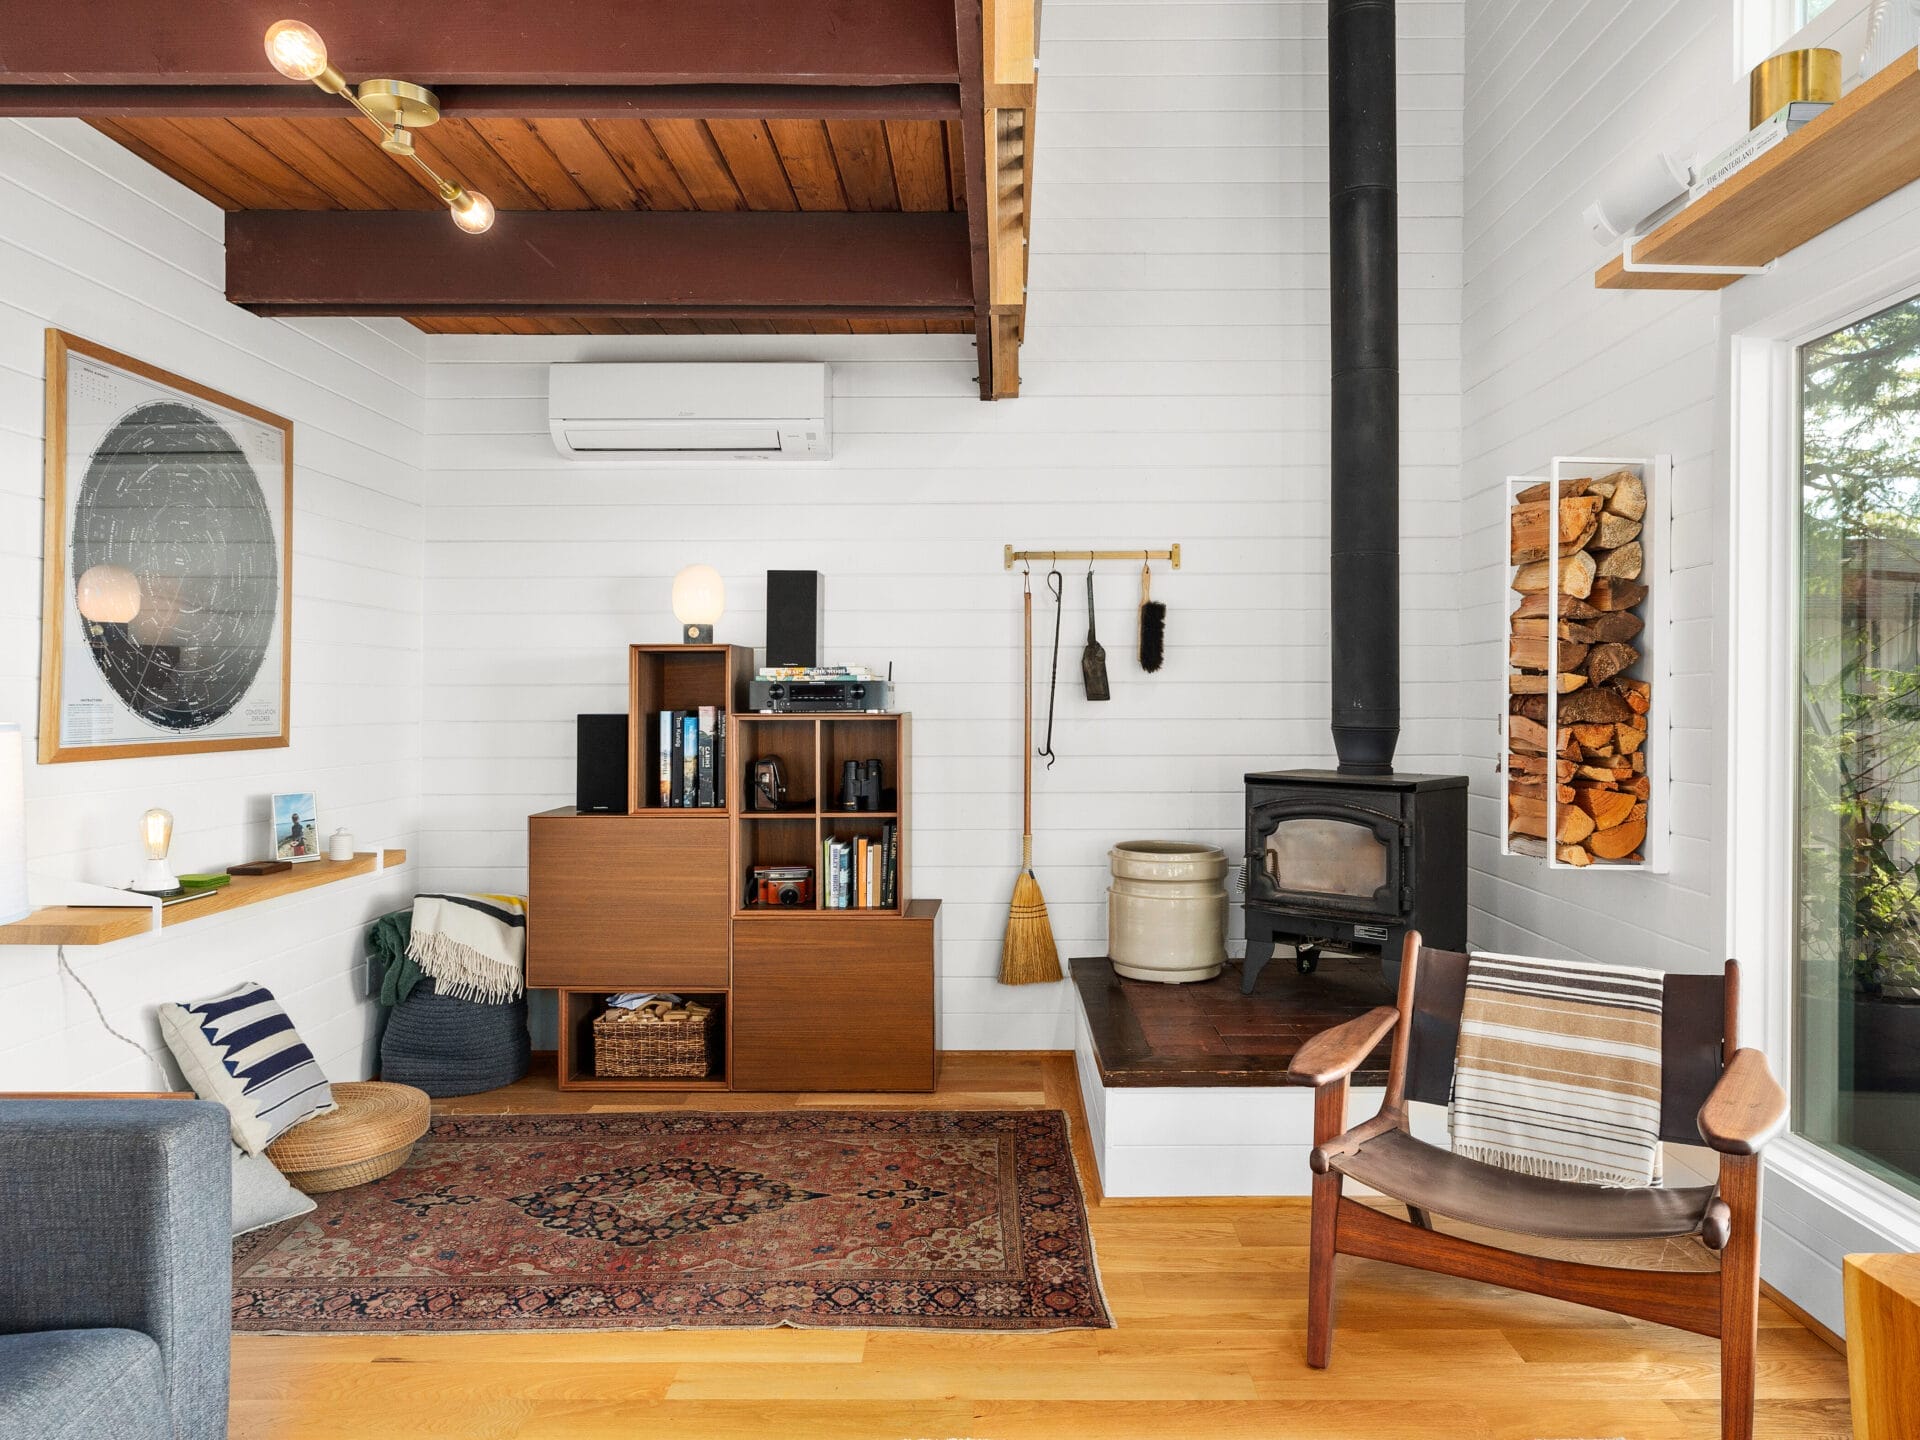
(1259, 952)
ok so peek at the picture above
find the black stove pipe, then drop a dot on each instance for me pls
(1365, 271)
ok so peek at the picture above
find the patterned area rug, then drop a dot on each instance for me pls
(917, 1220)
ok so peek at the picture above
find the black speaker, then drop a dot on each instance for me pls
(794, 606)
(600, 764)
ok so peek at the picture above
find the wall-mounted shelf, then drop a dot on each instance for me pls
(1860, 151)
(100, 924)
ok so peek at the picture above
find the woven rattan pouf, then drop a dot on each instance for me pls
(370, 1135)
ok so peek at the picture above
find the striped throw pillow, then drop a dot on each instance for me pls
(240, 1050)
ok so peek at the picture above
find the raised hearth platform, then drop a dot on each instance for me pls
(1148, 1034)
(1186, 1085)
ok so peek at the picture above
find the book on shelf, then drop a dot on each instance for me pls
(689, 759)
(1787, 120)
(666, 758)
(720, 759)
(677, 759)
(704, 731)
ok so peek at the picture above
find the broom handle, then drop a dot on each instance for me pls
(1026, 748)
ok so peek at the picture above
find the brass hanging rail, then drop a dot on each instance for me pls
(1171, 554)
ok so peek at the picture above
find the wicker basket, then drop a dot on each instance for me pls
(658, 1041)
(369, 1136)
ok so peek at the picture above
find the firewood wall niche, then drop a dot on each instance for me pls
(1584, 764)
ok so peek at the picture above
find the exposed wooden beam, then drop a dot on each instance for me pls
(978, 156)
(633, 264)
(485, 102)
(493, 42)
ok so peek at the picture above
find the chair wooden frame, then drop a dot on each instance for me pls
(1744, 1109)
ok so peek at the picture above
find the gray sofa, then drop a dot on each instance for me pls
(115, 1269)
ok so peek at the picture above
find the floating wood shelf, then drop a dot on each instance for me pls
(99, 924)
(1862, 150)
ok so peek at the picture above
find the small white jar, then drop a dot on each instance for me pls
(1167, 911)
(340, 844)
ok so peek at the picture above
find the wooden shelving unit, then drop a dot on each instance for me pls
(1862, 150)
(812, 748)
(101, 924)
(654, 900)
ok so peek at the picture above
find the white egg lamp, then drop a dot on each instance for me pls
(699, 600)
(156, 836)
(13, 825)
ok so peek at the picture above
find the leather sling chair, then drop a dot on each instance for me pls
(1711, 1090)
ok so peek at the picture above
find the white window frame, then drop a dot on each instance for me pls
(1765, 27)
(1827, 1207)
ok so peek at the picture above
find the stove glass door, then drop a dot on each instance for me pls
(1316, 855)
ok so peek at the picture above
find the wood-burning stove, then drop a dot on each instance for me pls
(1354, 860)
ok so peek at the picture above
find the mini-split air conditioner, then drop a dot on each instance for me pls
(679, 414)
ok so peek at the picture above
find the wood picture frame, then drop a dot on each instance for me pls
(138, 698)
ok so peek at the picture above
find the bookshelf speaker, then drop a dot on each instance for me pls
(600, 761)
(795, 605)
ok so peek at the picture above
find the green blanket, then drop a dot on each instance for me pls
(394, 974)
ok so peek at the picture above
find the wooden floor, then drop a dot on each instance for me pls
(1209, 1299)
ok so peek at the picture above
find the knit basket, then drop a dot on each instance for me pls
(445, 1046)
(658, 1041)
(370, 1135)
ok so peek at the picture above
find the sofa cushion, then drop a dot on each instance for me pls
(240, 1049)
(82, 1385)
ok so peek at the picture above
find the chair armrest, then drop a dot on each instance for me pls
(1746, 1108)
(117, 1213)
(1335, 1054)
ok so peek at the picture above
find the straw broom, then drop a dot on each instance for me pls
(1028, 956)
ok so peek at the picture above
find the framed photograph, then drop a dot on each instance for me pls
(167, 617)
(296, 828)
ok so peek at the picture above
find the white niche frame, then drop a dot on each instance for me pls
(1656, 472)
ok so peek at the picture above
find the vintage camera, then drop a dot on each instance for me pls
(790, 885)
(768, 788)
(860, 785)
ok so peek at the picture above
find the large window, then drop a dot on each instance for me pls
(1856, 1082)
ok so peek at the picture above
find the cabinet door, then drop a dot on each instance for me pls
(631, 902)
(833, 1004)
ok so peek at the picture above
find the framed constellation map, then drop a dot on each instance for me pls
(169, 552)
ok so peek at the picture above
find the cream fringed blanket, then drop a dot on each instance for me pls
(473, 947)
(1558, 1071)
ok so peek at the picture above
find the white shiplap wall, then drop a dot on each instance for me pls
(1555, 94)
(95, 242)
(1174, 389)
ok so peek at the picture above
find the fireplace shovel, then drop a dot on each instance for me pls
(1093, 660)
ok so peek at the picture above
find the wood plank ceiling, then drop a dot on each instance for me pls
(710, 165)
(782, 165)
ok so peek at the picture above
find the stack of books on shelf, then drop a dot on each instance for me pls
(861, 874)
(693, 759)
(1785, 121)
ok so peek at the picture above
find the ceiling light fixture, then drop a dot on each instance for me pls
(396, 107)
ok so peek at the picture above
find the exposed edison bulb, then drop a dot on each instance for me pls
(472, 212)
(108, 594)
(156, 838)
(156, 833)
(295, 49)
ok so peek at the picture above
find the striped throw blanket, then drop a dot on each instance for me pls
(473, 947)
(1558, 1071)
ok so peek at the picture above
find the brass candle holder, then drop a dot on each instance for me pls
(1795, 75)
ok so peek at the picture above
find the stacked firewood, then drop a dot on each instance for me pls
(1595, 757)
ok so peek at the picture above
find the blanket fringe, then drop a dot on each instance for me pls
(1524, 1162)
(462, 972)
